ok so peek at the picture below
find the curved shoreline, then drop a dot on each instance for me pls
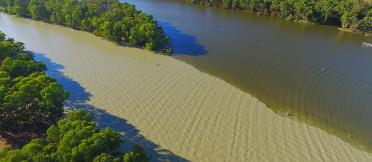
(197, 116)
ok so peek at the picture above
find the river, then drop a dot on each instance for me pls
(316, 73)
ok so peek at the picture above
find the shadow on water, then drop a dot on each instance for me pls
(181, 43)
(78, 100)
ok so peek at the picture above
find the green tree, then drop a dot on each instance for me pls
(75, 138)
(37, 10)
(20, 7)
(111, 19)
(136, 155)
(28, 96)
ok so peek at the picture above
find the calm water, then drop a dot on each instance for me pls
(316, 73)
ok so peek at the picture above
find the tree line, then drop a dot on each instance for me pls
(111, 19)
(29, 100)
(353, 14)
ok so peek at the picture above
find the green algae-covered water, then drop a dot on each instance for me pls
(317, 74)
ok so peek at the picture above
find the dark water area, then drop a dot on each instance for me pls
(317, 74)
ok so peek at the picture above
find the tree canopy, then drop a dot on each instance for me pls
(353, 14)
(28, 96)
(111, 19)
(77, 139)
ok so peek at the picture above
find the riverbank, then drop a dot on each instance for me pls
(328, 13)
(192, 114)
(351, 31)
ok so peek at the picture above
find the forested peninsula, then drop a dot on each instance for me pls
(110, 19)
(355, 15)
(31, 101)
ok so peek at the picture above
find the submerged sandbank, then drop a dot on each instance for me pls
(195, 116)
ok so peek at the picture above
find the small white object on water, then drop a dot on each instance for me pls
(364, 44)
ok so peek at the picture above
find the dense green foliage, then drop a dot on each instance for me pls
(75, 139)
(119, 22)
(353, 14)
(28, 96)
